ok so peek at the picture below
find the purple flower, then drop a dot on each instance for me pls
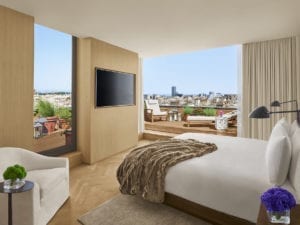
(278, 199)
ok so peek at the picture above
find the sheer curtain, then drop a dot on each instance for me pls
(271, 71)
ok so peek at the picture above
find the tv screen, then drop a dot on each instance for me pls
(114, 88)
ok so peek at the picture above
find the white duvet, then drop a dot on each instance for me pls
(229, 180)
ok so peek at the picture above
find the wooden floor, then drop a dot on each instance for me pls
(179, 127)
(90, 185)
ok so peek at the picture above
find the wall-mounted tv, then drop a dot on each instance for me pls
(114, 88)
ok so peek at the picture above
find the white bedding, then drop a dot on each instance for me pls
(229, 180)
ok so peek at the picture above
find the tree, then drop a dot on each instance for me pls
(45, 108)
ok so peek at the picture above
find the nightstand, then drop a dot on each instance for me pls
(262, 218)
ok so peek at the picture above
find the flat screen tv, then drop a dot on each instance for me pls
(114, 88)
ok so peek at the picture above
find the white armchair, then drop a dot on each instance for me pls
(51, 186)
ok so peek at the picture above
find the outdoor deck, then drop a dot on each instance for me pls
(179, 127)
(54, 140)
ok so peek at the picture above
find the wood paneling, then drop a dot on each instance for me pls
(74, 158)
(83, 97)
(103, 132)
(16, 78)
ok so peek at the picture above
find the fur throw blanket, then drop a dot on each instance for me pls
(144, 169)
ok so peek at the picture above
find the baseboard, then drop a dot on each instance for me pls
(74, 158)
(141, 136)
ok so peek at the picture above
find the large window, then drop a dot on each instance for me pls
(54, 76)
(205, 78)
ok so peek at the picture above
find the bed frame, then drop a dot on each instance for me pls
(210, 215)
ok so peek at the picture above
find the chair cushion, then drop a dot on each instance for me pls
(201, 118)
(154, 105)
(47, 179)
(160, 113)
(231, 114)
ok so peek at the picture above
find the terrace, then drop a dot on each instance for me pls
(170, 127)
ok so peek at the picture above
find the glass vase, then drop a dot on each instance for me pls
(13, 184)
(282, 217)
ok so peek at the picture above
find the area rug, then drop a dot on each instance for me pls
(132, 210)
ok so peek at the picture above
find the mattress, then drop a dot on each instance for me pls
(229, 180)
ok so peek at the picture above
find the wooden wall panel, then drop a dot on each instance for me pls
(111, 129)
(83, 97)
(16, 78)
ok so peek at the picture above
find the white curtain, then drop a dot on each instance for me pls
(271, 71)
(240, 92)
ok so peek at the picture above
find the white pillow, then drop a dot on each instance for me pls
(294, 173)
(293, 128)
(278, 153)
(278, 157)
(281, 128)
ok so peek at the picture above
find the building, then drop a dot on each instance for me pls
(173, 92)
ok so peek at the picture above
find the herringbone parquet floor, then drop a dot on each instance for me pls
(90, 185)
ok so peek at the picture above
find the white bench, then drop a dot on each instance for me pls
(199, 119)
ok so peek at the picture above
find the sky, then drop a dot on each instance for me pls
(193, 73)
(52, 60)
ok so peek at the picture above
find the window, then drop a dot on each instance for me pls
(54, 96)
(206, 78)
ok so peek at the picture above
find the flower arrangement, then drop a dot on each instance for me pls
(278, 203)
(278, 199)
(13, 177)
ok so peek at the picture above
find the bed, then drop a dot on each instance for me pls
(226, 180)
(225, 186)
(229, 180)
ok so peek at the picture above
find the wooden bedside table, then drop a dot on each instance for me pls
(262, 218)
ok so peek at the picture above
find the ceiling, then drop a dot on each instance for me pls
(161, 27)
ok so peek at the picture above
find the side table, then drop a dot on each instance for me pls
(262, 218)
(27, 187)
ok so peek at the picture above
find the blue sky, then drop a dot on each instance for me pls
(193, 73)
(52, 60)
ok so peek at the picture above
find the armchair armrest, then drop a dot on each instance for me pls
(30, 160)
(33, 161)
